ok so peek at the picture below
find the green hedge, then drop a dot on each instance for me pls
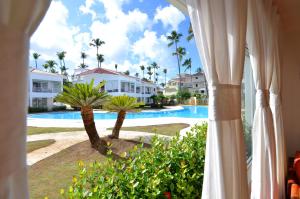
(37, 109)
(174, 166)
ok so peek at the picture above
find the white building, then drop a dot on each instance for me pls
(195, 83)
(43, 88)
(118, 83)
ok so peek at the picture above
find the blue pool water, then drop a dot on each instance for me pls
(186, 112)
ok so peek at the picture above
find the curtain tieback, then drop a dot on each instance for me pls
(275, 99)
(262, 97)
(224, 102)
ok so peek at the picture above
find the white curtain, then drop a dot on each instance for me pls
(260, 40)
(220, 32)
(275, 104)
(18, 20)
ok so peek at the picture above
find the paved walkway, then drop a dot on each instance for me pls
(66, 139)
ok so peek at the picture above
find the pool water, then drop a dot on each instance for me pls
(186, 112)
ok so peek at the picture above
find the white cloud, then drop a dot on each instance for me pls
(169, 16)
(86, 9)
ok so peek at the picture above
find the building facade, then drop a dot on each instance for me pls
(43, 88)
(195, 83)
(118, 83)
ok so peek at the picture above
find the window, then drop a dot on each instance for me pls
(39, 102)
(196, 85)
(196, 77)
(202, 91)
(138, 89)
(248, 105)
(132, 87)
(124, 86)
(111, 86)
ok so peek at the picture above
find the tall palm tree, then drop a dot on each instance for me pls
(127, 72)
(188, 66)
(154, 66)
(83, 56)
(165, 72)
(190, 33)
(149, 68)
(156, 77)
(97, 43)
(61, 56)
(116, 67)
(142, 67)
(35, 57)
(121, 105)
(200, 70)
(85, 96)
(174, 39)
(100, 59)
(180, 52)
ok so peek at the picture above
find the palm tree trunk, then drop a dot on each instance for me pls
(83, 61)
(118, 125)
(177, 56)
(35, 64)
(90, 127)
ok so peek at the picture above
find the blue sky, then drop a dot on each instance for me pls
(134, 31)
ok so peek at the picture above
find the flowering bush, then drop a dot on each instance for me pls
(174, 166)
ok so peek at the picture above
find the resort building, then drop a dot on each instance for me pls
(117, 83)
(195, 83)
(43, 88)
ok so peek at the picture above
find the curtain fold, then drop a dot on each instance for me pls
(260, 40)
(18, 20)
(219, 27)
(275, 104)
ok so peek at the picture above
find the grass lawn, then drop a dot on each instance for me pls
(40, 130)
(48, 176)
(163, 129)
(31, 146)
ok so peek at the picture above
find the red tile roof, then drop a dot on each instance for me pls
(99, 71)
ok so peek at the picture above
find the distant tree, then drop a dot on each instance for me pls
(51, 66)
(163, 84)
(61, 56)
(149, 68)
(85, 96)
(116, 67)
(121, 104)
(174, 39)
(83, 66)
(127, 72)
(142, 67)
(155, 67)
(137, 75)
(97, 43)
(36, 57)
(165, 72)
(188, 66)
(100, 59)
(83, 56)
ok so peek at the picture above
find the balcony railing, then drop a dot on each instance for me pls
(45, 90)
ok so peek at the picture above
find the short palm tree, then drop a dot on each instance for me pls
(83, 66)
(50, 65)
(100, 59)
(142, 67)
(85, 96)
(116, 67)
(127, 72)
(121, 105)
(35, 57)
(83, 56)
(137, 75)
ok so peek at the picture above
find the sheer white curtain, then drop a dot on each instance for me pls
(18, 20)
(275, 104)
(220, 32)
(260, 40)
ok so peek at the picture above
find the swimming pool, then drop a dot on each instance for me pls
(185, 112)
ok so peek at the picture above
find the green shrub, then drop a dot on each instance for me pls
(37, 109)
(174, 166)
(59, 108)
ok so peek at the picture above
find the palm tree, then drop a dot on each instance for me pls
(190, 33)
(83, 66)
(100, 59)
(174, 39)
(83, 56)
(155, 66)
(149, 68)
(121, 105)
(35, 57)
(142, 67)
(61, 56)
(127, 72)
(50, 65)
(97, 43)
(165, 72)
(188, 66)
(200, 70)
(85, 96)
(137, 75)
(116, 67)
